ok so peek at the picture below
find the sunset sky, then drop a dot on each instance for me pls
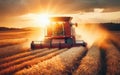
(23, 13)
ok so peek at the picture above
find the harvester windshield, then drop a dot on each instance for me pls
(59, 26)
(55, 29)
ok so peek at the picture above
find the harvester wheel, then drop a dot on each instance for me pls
(32, 45)
(69, 41)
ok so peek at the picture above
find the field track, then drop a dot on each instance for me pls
(112, 59)
(97, 60)
(14, 49)
(90, 64)
(61, 64)
(45, 54)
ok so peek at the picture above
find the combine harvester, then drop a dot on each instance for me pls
(59, 34)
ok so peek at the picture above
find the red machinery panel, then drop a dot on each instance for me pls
(67, 29)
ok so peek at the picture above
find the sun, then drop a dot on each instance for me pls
(42, 19)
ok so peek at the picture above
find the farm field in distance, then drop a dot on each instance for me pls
(16, 57)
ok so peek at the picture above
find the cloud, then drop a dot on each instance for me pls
(17, 7)
(20, 7)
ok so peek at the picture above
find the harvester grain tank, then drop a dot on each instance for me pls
(59, 34)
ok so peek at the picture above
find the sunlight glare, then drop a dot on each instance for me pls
(42, 19)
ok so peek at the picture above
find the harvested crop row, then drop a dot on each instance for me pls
(20, 55)
(9, 42)
(18, 61)
(112, 59)
(15, 68)
(14, 49)
(58, 65)
(90, 64)
(115, 40)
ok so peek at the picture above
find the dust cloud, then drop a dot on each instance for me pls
(91, 33)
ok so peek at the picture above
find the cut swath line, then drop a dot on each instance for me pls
(112, 59)
(18, 61)
(15, 68)
(20, 55)
(90, 64)
(60, 63)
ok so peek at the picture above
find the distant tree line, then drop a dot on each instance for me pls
(19, 29)
(111, 26)
(7, 29)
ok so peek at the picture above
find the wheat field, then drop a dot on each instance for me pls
(16, 58)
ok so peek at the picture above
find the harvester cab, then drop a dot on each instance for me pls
(59, 34)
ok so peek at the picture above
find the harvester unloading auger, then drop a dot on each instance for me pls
(59, 34)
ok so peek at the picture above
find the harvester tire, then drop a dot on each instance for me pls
(69, 41)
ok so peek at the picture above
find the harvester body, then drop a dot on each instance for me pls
(59, 34)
